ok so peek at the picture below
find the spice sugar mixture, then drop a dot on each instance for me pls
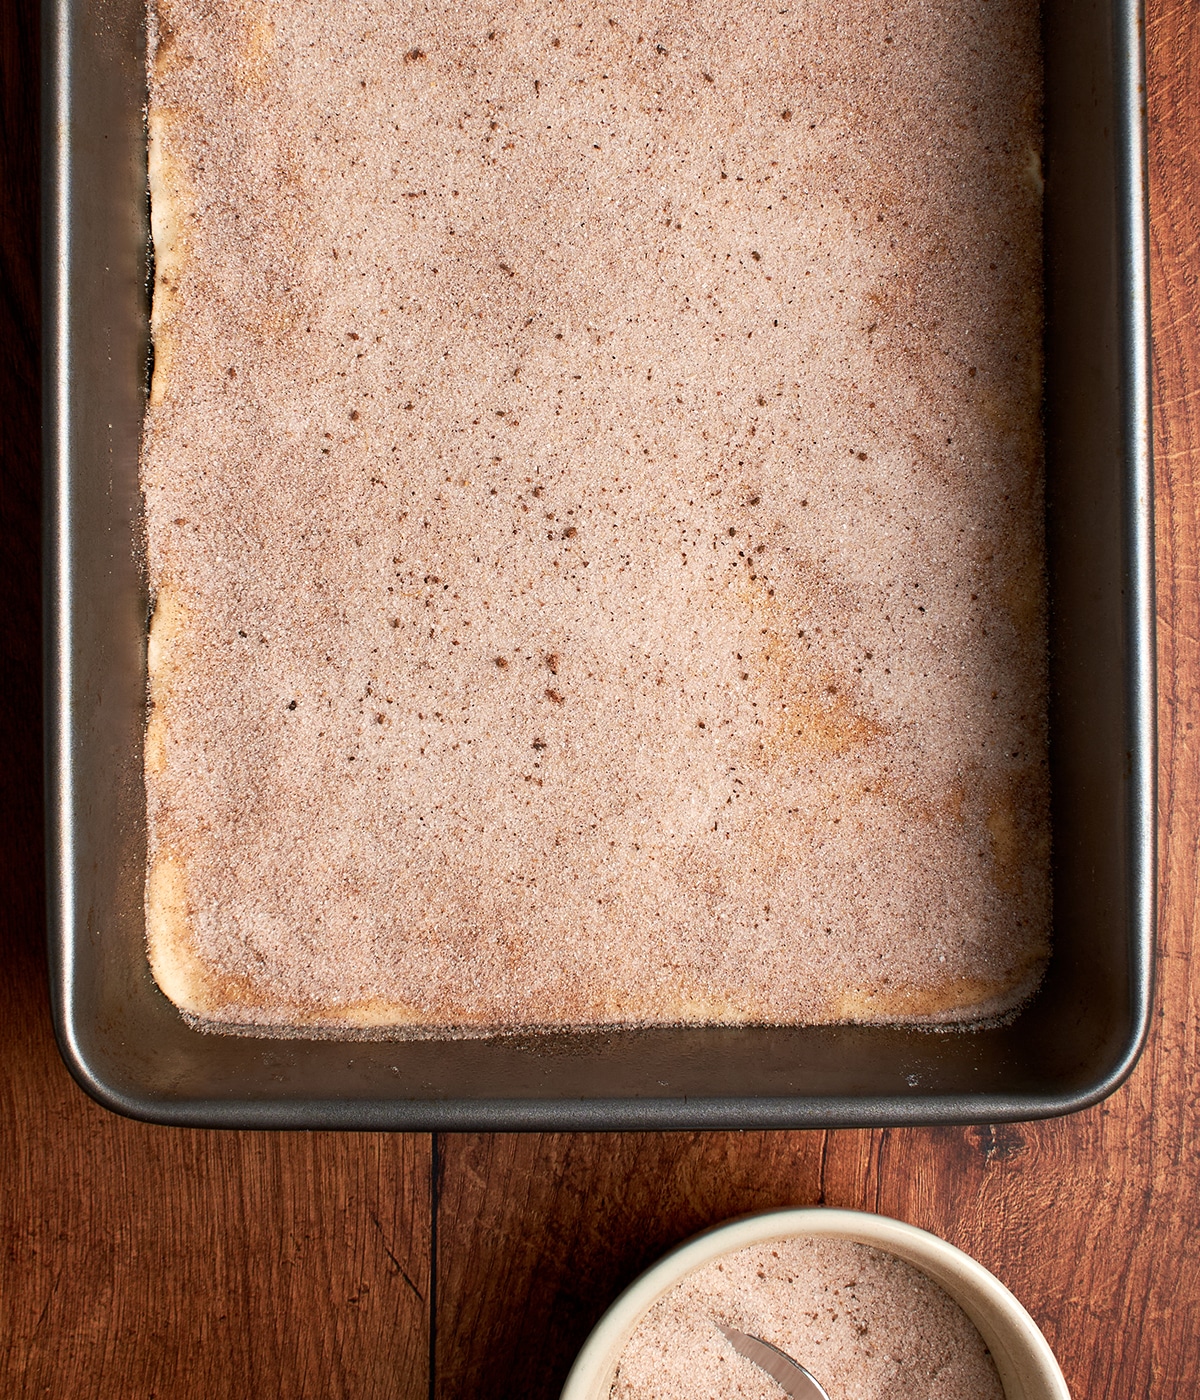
(866, 1325)
(593, 482)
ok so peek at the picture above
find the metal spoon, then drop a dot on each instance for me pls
(789, 1375)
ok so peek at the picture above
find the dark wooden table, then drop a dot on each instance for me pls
(142, 1261)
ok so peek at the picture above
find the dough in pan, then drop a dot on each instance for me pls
(593, 484)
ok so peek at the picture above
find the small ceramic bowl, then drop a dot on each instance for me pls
(1028, 1370)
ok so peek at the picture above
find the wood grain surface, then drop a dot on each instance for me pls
(141, 1261)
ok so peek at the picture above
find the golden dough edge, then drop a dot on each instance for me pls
(167, 626)
(242, 1012)
(180, 975)
(168, 238)
(958, 1001)
(173, 964)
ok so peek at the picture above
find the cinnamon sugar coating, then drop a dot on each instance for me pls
(867, 1325)
(593, 483)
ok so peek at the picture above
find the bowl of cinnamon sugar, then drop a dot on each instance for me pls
(872, 1307)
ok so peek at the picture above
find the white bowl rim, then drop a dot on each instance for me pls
(1027, 1366)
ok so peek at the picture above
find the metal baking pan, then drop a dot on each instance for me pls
(1072, 1045)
